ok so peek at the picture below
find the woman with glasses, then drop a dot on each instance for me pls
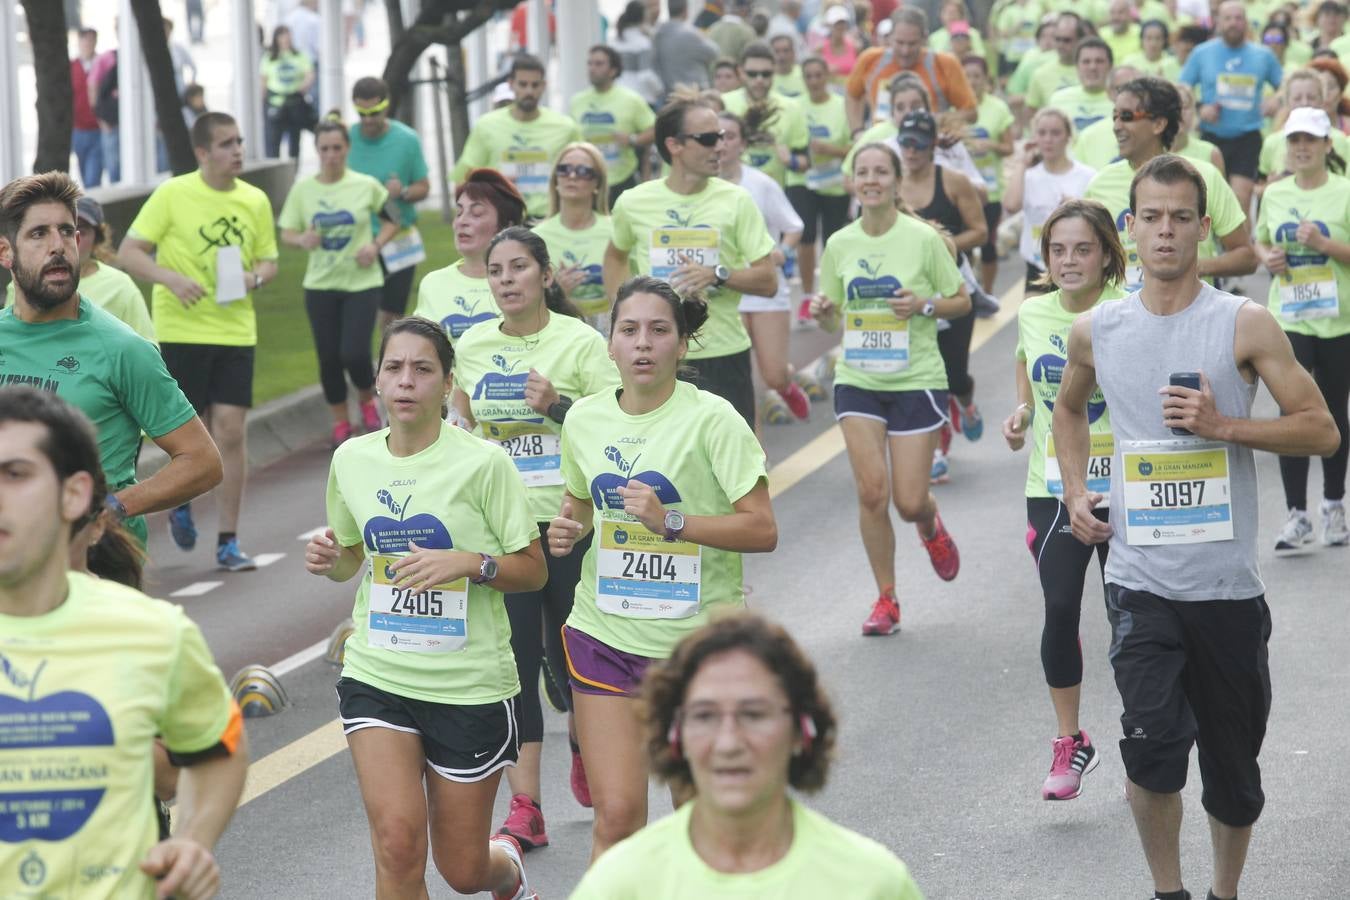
(578, 229)
(737, 721)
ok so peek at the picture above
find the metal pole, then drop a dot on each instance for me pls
(11, 138)
(332, 83)
(247, 80)
(135, 102)
(477, 67)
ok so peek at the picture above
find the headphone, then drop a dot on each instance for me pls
(805, 725)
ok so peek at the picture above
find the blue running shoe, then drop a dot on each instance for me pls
(230, 558)
(972, 424)
(938, 474)
(181, 529)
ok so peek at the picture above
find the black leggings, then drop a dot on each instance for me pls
(829, 212)
(1329, 361)
(954, 344)
(342, 323)
(1062, 562)
(537, 619)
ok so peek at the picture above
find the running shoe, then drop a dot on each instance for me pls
(983, 303)
(525, 823)
(885, 617)
(230, 558)
(942, 551)
(181, 528)
(512, 848)
(1297, 531)
(1072, 760)
(972, 423)
(939, 472)
(581, 788)
(1334, 532)
(775, 411)
(797, 402)
(341, 432)
(370, 417)
(811, 386)
(804, 316)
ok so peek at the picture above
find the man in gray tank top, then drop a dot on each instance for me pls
(1184, 597)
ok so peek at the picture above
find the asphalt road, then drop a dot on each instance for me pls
(945, 727)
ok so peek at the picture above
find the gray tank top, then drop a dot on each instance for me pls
(1135, 352)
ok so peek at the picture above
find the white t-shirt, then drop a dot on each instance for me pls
(1043, 191)
(779, 217)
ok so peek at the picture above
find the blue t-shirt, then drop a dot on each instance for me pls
(1232, 77)
(396, 153)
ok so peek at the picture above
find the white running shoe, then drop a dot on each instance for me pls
(1297, 531)
(1334, 531)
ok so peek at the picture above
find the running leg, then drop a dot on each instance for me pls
(227, 430)
(769, 337)
(526, 616)
(613, 747)
(911, 457)
(358, 323)
(461, 823)
(1294, 469)
(325, 312)
(389, 767)
(866, 442)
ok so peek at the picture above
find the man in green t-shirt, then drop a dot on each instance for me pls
(521, 140)
(214, 242)
(776, 132)
(391, 153)
(614, 118)
(787, 75)
(1087, 101)
(1059, 71)
(52, 338)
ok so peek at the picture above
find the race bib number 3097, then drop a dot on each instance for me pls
(1176, 492)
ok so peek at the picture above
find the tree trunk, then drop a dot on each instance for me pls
(55, 97)
(444, 22)
(168, 105)
(455, 88)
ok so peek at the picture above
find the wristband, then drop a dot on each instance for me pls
(557, 411)
(116, 507)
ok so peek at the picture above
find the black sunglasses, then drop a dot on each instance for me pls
(584, 172)
(706, 138)
(761, 73)
(1130, 115)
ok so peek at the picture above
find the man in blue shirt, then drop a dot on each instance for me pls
(1231, 72)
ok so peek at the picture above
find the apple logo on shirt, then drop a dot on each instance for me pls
(871, 286)
(1287, 234)
(335, 228)
(1048, 368)
(504, 386)
(605, 487)
(384, 534)
(594, 273)
(466, 316)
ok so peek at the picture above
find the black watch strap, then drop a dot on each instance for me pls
(557, 411)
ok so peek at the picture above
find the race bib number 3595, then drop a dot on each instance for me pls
(1176, 492)
(641, 575)
(431, 621)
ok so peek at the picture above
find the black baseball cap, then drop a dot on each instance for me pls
(87, 209)
(918, 130)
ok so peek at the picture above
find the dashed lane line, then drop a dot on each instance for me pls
(197, 589)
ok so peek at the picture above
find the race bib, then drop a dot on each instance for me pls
(1134, 272)
(1176, 492)
(432, 621)
(527, 167)
(876, 341)
(1309, 292)
(535, 450)
(828, 177)
(1101, 461)
(642, 576)
(404, 251)
(1236, 91)
(674, 247)
(1036, 231)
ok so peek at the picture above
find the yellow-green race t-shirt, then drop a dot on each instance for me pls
(190, 222)
(787, 127)
(602, 115)
(1275, 149)
(456, 300)
(341, 213)
(1081, 107)
(1313, 298)
(461, 493)
(522, 151)
(828, 122)
(992, 119)
(581, 249)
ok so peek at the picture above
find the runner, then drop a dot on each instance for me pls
(1189, 620)
(1060, 71)
(818, 195)
(1302, 87)
(906, 50)
(521, 140)
(1188, 143)
(700, 485)
(613, 118)
(703, 236)
(215, 244)
(459, 296)
(1303, 239)
(990, 143)
(724, 842)
(768, 319)
(516, 379)
(1086, 265)
(1096, 146)
(90, 647)
(438, 524)
(890, 387)
(329, 215)
(391, 153)
(1086, 101)
(777, 136)
(55, 339)
(1152, 57)
(579, 229)
(1043, 176)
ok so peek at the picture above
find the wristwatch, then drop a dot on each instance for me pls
(487, 571)
(928, 309)
(116, 507)
(674, 525)
(721, 275)
(557, 410)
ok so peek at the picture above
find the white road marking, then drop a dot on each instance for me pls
(296, 660)
(266, 559)
(197, 588)
(311, 534)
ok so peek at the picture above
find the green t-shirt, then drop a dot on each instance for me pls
(652, 224)
(1122, 45)
(284, 75)
(788, 127)
(790, 85)
(1111, 187)
(1085, 109)
(342, 213)
(190, 222)
(993, 118)
(1274, 150)
(112, 291)
(583, 250)
(1016, 23)
(1317, 284)
(600, 116)
(1096, 145)
(522, 151)
(455, 300)
(941, 41)
(90, 685)
(1019, 82)
(1196, 148)
(491, 368)
(1156, 9)
(1050, 77)
(1043, 345)
(700, 457)
(879, 133)
(826, 121)
(660, 863)
(461, 493)
(1166, 67)
(858, 272)
(395, 154)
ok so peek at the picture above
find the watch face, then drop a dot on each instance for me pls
(674, 520)
(488, 570)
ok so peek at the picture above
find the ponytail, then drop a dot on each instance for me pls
(1335, 162)
(117, 556)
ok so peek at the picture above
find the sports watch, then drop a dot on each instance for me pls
(487, 571)
(721, 275)
(674, 525)
(928, 309)
(116, 507)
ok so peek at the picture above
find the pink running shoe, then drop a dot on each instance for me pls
(885, 617)
(525, 823)
(341, 432)
(370, 417)
(581, 788)
(1072, 760)
(796, 400)
(522, 889)
(942, 551)
(804, 309)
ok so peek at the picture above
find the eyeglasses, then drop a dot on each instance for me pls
(584, 172)
(366, 112)
(759, 73)
(706, 138)
(706, 721)
(1130, 115)
(1063, 40)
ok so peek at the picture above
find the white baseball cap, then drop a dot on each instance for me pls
(1308, 120)
(836, 14)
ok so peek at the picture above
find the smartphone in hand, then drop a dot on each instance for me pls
(1187, 380)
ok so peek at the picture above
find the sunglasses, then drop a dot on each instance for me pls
(706, 138)
(366, 112)
(584, 172)
(1130, 115)
(759, 73)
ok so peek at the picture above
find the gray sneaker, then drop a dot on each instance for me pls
(1297, 531)
(1334, 531)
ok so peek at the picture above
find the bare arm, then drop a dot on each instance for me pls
(615, 270)
(1237, 258)
(853, 108)
(750, 529)
(1016, 425)
(1216, 158)
(133, 257)
(1017, 182)
(1072, 440)
(972, 212)
(460, 400)
(208, 793)
(759, 278)
(1311, 236)
(194, 468)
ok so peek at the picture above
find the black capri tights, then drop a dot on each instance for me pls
(830, 213)
(537, 619)
(1062, 562)
(1329, 361)
(954, 344)
(342, 322)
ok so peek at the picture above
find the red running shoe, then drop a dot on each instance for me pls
(797, 401)
(525, 823)
(370, 417)
(581, 788)
(942, 551)
(885, 617)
